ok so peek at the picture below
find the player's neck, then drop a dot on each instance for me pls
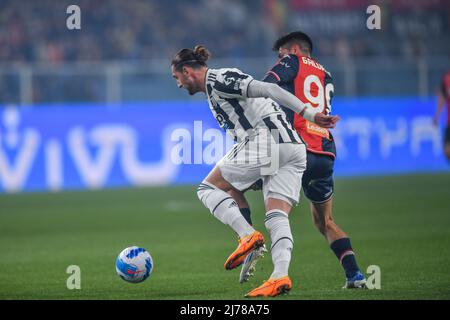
(301, 53)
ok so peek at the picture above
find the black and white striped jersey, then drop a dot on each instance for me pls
(241, 116)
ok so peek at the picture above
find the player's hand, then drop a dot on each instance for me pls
(325, 121)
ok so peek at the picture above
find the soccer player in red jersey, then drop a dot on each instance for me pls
(297, 72)
(444, 99)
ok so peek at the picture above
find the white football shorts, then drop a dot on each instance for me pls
(280, 166)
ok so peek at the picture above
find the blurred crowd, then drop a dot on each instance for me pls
(33, 30)
(133, 29)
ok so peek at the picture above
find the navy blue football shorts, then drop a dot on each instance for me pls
(317, 181)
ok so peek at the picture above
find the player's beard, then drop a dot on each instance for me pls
(191, 89)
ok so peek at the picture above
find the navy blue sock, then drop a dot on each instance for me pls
(247, 215)
(342, 248)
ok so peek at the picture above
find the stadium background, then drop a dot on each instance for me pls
(92, 109)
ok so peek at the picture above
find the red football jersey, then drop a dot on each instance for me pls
(311, 83)
(314, 85)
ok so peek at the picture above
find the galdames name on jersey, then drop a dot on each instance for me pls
(313, 63)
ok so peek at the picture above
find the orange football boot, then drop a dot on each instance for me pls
(246, 245)
(272, 288)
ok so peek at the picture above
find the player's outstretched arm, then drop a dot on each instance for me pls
(258, 89)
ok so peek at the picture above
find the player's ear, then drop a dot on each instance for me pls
(185, 71)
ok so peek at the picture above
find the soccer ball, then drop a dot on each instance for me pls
(134, 264)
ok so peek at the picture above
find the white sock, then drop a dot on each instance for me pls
(277, 223)
(223, 207)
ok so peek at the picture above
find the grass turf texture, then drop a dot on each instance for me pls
(401, 224)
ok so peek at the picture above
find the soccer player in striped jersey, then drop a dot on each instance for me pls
(267, 148)
(297, 72)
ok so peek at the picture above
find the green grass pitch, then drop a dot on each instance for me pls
(400, 223)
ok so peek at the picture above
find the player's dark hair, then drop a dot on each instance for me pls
(296, 37)
(193, 58)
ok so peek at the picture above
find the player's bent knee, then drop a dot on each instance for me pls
(276, 201)
(203, 190)
(213, 198)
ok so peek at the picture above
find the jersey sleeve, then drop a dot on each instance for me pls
(232, 84)
(284, 71)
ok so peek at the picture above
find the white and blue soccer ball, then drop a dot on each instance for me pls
(134, 264)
